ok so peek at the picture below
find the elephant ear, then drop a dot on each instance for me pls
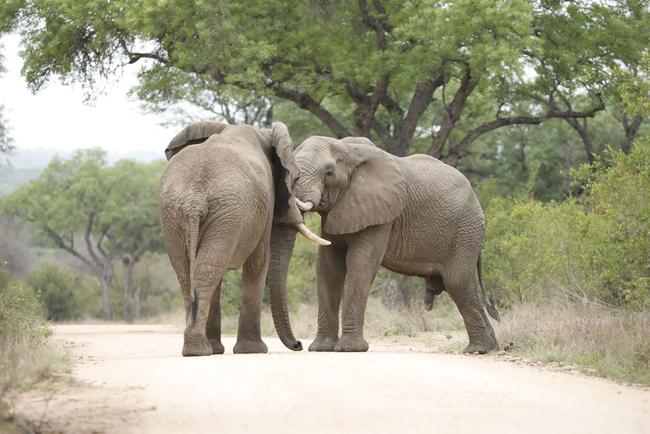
(376, 193)
(193, 134)
(286, 172)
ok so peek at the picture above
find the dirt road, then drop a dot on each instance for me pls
(132, 379)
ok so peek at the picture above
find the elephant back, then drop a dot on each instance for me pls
(193, 134)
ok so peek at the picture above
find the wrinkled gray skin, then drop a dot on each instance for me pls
(416, 216)
(224, 204)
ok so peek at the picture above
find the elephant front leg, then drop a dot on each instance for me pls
(364, 257)
(213, 327)
(330, 277)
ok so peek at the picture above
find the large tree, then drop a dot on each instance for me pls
(386, 69)
(5, 140)
(96, 212)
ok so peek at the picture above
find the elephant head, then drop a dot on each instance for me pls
(287, 218)
(350, 182)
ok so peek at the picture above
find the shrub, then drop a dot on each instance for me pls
(594, 251)
(57, 291)
(23, 335)
(617, 197)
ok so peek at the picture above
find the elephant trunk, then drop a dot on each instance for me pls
(283, 238)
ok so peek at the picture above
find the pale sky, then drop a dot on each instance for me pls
(57, 118)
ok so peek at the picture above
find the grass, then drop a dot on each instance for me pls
(616, 344)
(26, 357)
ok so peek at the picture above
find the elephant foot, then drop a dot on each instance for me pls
(245, 346)
(351, 344)
(323, 344)
(490, 344)
(195, 343)
(197, 348)
(217, 346)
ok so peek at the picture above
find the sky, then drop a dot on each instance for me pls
(56, 117)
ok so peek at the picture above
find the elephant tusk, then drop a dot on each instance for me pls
(304, 230)
(304, 206)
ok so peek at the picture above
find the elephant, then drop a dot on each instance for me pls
(413, 215)
(224, 204)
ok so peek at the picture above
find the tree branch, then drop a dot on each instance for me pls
(62, 245)
(452, 114)
(460, 150)
(89, 246)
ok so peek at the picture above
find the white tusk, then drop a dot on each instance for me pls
(304, 230)
(304, 206)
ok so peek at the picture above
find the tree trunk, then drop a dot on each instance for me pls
(128, 284)
(283, 238)
(105, 282)
(631, 129)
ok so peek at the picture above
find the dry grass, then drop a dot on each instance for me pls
(614, 343)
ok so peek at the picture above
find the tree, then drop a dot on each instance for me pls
(10, 10)
(391, 70)
(138, 197)
(95, 212)
(635, 88)
(5, 141)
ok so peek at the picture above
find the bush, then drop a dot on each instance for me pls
(594, 251)
(617, 197)
(23, 335)
(56, 289)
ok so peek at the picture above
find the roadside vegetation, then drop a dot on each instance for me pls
(25, 355)
(542, 105)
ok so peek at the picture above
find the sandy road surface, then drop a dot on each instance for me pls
(131, 379)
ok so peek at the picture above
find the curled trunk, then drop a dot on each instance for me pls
(283, 238)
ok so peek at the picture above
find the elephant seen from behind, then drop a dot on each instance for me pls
(225, 203)
(415, 215)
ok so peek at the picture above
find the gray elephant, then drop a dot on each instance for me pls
(225, 204)
(415, 215)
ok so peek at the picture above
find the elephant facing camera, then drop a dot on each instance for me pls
(414, 215)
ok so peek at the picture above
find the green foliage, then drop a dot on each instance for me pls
(618, 198)
(635, 87)
(231, 295)
(594, 251)
(329, 58)
(55, 287)
(5, 141)
(113, 209)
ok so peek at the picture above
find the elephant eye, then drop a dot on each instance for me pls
(329, 173)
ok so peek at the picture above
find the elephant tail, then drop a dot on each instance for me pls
(192, 237)
(491, 309)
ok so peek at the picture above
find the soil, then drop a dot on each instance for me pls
(132, 379)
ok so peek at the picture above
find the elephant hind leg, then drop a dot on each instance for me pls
(213, 326)
(204, 303)
(433, 286)
(463, 290)
(249, 331)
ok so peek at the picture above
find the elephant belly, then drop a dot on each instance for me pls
(420, 247)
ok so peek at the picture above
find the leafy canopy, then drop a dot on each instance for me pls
(391, 70)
